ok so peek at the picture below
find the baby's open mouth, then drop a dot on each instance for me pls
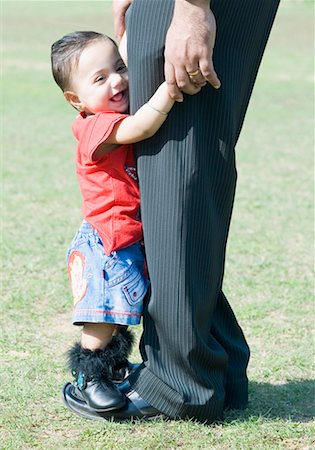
(118, 97)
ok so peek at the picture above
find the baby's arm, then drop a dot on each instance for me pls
(145, 122)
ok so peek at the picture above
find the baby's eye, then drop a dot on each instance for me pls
(121, 68)
(100, 78)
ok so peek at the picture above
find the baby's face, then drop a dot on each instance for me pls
(101, 79)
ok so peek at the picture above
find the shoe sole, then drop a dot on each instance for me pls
(77, 405)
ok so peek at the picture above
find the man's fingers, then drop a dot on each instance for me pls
(170, 79)
(208, 72)
(195, 76)
(179, 81)
(181, 77)
(186, 82)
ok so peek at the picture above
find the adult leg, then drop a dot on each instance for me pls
(229, 335)
(192, 344)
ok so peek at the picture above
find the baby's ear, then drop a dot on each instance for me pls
(73, 99)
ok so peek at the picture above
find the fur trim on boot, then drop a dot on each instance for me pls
(123, 343)
(100, 363)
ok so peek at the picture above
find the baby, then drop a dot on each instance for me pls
(106, 261)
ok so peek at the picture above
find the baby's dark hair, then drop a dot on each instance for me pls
(65, 54)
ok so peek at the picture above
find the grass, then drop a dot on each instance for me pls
(269, 269)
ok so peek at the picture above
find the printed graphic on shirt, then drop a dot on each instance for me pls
(132, 172)
(76, 274)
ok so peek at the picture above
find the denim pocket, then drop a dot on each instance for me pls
(128, 284)
(135, 288)
(117, 272)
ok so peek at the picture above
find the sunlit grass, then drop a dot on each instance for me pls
(269, 268)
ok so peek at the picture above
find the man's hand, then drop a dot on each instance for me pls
(119, 8)
(189, 47)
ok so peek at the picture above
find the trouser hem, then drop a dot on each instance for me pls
(172, 403)
(236, 394)
(157, 393)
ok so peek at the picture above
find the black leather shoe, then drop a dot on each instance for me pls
(135, 407)
(102, 395)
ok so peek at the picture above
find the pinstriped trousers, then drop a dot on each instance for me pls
(195, 354)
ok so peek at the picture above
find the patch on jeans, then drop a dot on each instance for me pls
(76, 274)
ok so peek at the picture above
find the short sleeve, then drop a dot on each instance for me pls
(93, 130)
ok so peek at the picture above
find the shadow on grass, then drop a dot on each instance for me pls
(293, 401)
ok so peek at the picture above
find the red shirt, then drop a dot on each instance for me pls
(109, 186)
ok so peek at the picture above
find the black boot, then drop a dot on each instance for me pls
(123, 341)
(93, 371)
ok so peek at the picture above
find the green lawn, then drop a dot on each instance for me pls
(270, 259)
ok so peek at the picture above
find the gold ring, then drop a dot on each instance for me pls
(193, 74)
